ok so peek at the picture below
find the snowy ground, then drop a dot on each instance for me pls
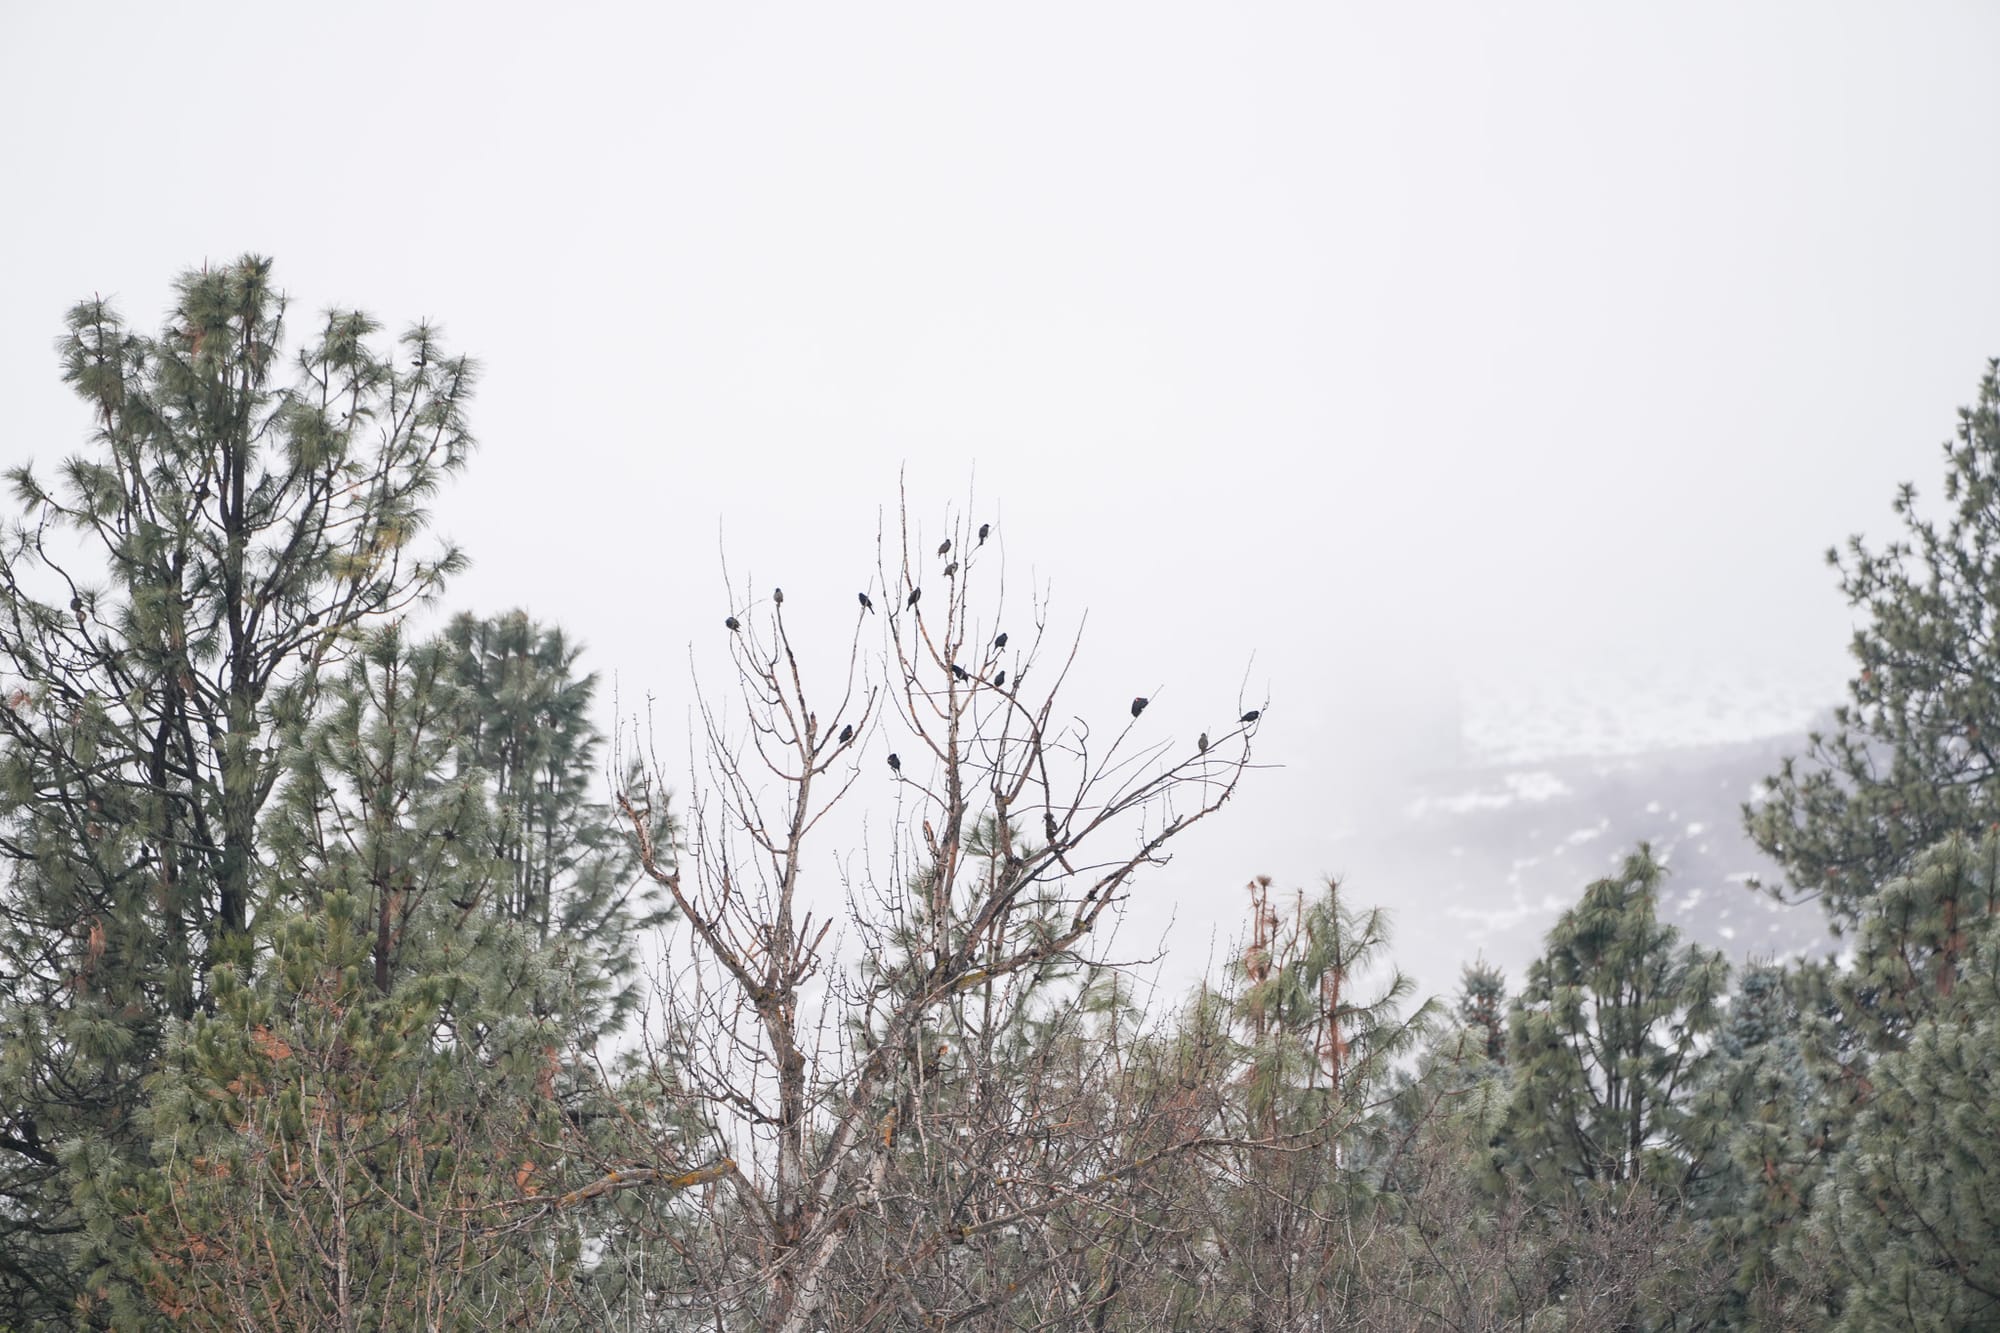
(1556, 786)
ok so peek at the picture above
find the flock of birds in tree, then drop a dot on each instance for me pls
(958, 672)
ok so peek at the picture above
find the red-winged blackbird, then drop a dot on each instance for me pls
(984, 528)
(960, 673)
(944, 546)
(846, 734)
(1250, 716)
(1001, 640)
(1139, 705)
(866, 605)
(733, 623)
(951, 569)
(895, 764)
(915, 593)
(777, 596)
(1000, 680)
(1201, 742)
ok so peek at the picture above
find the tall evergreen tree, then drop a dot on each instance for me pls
(573, 875)
(1911, 757)
(1316, 1040)
(1319, 1019)
(1915, 939)
(527, 724)
(1912, 1205)
(1607, 1042)
(1482, 1007)
(1758, 1125)
(404, 993)
(169, 601)
(377, 808)
(1599, 1146)
(330, 1154)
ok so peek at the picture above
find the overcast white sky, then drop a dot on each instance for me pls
(1426, 352)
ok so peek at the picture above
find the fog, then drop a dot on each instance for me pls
(1473, 382)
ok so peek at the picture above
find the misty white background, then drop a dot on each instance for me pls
(1453, 370)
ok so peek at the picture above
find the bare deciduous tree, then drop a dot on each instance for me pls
(837, 1059)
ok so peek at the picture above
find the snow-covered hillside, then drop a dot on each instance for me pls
(1481, 858)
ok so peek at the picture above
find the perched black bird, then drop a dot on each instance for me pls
(951, 569)
(944, 546)
(1250, 716)
(866, 605)
(895, 764)
(1001, 641)
(1049, 825)
(1139, 705)
(984, 528)
(846, 734)
(960, 673)
(915, 593)
(1201, 742)
(1000, 681)
(777, 596)
(733, 623)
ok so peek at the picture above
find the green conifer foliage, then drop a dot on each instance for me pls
(1607, 1043)
(1795, 1104)
(1912, 1206)
(334, 1156)
(1482, 1007)
(1911, 757)
(1316, 1039)
(1890, 821)
(401, 1094)
(170, 597)
(1758, 1122)
(375, 809)
(1319, 1019)
(571, 872)
(1914, 941)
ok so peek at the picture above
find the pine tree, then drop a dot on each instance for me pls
(1890, 821)
(1319, 1019)
(169, 602)
(1607, 1043)
(1839, 1022)
(1914, 940)
(1599, 1147)
(1912, 1205)
(1315, 1038)
(376, 808)
(1758, 1123)
(572, 873)
(394, 1091)
(333, 1155)
(1911, 757)
(1482, 1000)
